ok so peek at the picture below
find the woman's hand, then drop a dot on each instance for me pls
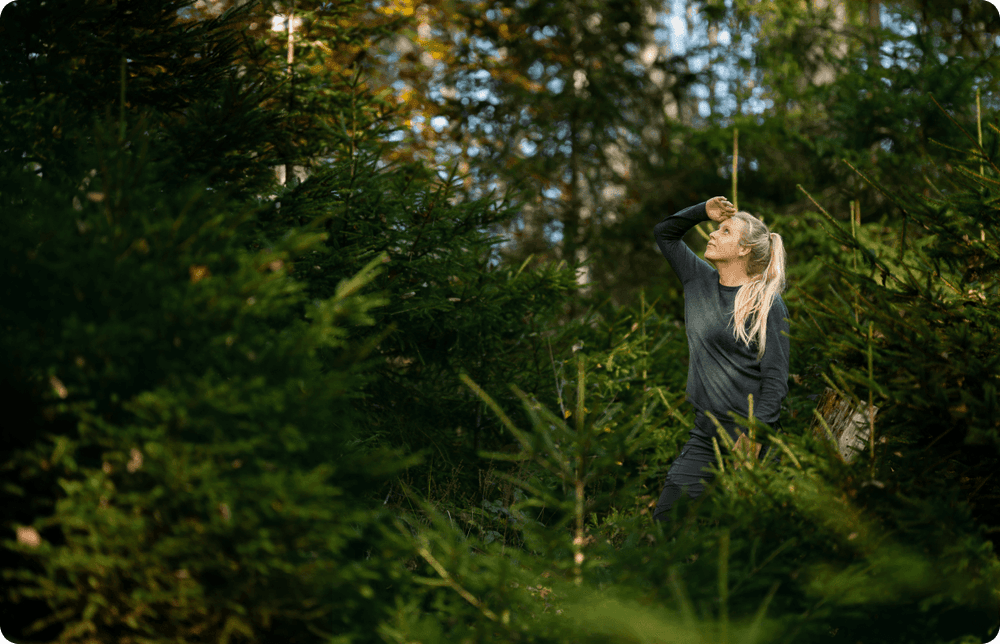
(719, 209)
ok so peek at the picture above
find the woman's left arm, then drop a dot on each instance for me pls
(773, 366)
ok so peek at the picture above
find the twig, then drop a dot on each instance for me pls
(967, 135)
(555, 377)
(872, 258)
(466, 595)
(981, 483)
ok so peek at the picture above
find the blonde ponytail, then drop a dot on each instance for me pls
(766, 268)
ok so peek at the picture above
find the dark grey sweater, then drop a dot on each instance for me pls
(723, 370)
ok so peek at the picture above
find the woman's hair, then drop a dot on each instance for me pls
(766, 268)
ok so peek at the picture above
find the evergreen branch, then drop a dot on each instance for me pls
(949, 284)
(840, 392)
(939, 462)
(504, 456)
(790, 542)
(518, 434)
(821, 209)
(981, 483)
(853, 241)
(939, 437)
(819, 304)
(687, 610)
(978, 177)
(454, 585)
(928, 181)
(863, 381)
(946, 146)
(877, 186)
(580, 390)
(638, 421)
(564, 469)
(524, 485)
(673, 412)
(718, 454)
(726, 438)
(759, 617)
(785, 448)
(724, 585)
(817, 269)
(552, 359)
(967, 135)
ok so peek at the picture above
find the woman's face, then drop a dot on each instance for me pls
(724, 243)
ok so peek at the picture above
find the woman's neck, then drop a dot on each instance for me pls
(733, 275)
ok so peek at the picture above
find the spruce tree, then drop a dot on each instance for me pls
(190, 428)
(173, 465)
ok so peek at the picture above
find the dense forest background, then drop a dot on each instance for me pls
(344, 321)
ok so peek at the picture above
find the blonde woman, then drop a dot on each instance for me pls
(737, 329)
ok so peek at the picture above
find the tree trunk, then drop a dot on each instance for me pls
(849, 425)
(874, 24)
(289, 169)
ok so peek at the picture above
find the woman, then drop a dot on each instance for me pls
(737, 330)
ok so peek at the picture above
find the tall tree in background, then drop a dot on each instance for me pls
(166, 74)
(320, 56)
(551, 99)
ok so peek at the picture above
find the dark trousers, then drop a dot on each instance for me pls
(686, 472)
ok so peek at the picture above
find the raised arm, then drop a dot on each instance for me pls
(669, 234)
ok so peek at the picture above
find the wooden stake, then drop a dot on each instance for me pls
(855, 206)
(979, 126)
(871, 401)
(736, 158)
(854, 234)
(121, 105)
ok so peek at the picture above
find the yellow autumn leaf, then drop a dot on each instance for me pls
(198, 273)
(396, 8)
(436, 50)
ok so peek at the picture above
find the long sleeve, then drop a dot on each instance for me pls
(774, 365)
(669, 234)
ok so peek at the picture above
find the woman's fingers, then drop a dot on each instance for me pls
(720, 208)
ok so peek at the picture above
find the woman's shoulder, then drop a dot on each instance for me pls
(778, 306)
